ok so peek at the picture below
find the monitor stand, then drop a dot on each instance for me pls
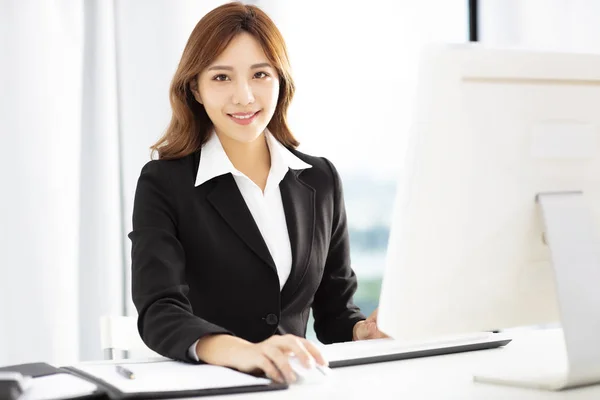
(569, 229)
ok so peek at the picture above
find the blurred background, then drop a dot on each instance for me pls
(84, 93)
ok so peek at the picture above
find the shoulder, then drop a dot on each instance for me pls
(171, 172)
(321, 166)
(177, 169)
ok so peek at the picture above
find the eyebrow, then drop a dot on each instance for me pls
(228, 68)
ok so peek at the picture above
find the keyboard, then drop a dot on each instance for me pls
(377, 350)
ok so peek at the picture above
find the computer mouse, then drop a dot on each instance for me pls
(315, 374)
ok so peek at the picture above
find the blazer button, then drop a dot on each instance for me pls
(272, 319)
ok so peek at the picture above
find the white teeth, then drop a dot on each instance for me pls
(242, 116)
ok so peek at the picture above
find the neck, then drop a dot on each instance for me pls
(247, 158)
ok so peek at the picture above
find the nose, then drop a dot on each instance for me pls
(242, 93)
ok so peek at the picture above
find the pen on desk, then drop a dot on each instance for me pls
(125, 372)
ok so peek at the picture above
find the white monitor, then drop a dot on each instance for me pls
(469, 247)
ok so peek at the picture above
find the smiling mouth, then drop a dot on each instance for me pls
(243, 116)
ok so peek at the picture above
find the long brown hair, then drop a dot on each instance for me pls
(190, 125)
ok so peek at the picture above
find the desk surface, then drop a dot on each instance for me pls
(440, 377)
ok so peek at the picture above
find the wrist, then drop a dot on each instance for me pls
(220, 349)
(355, 330)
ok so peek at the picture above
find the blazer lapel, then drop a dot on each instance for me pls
(229, 203)
(299, 206)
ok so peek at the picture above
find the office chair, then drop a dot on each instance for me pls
(119, 334)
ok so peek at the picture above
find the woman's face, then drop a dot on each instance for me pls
(239, 90)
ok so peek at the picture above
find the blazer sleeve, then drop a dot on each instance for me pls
(166, 322)
(334, 310)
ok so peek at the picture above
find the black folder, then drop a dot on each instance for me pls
(40, 369)
(107, 391)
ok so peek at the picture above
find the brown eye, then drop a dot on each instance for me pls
(220, 77)
(260, 75)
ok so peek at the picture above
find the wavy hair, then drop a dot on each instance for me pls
(190, 125)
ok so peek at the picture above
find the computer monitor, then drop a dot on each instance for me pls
(498, 206)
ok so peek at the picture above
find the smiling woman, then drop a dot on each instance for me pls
(236, 234)
(234, 57)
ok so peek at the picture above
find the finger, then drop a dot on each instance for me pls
(294, 344)
(314, 352)
(281, 362)
(270, 370)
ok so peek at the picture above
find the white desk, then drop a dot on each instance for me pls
(440, 377)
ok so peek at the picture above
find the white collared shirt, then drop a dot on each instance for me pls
(266, 208)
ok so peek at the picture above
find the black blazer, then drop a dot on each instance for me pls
(200, 265)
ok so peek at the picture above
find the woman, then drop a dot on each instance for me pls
(235, 233)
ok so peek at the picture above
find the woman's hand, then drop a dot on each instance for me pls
(270, 356)
(367, 329)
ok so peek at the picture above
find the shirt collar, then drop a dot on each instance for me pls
(214, 161)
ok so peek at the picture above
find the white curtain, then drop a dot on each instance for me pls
(555, 25)
(60, 215)
(40, 117)
(100, 265)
